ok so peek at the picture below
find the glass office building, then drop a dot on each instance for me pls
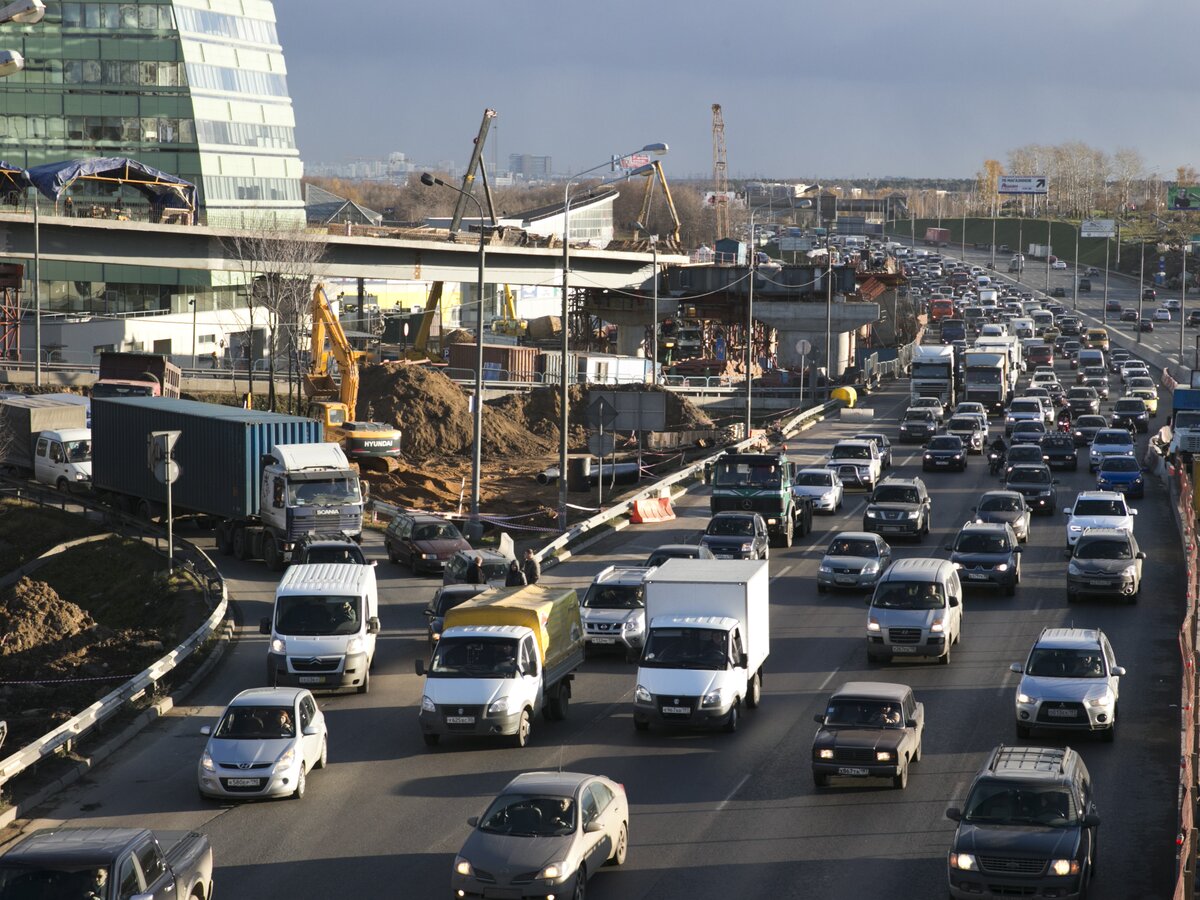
(196, 88)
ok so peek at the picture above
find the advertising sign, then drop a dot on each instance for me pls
(1098, 228)
(1183, 198)
(1022, 184)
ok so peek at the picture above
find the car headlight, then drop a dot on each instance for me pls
(1002, 567)
(1022, 697)
(641, 695)
(552, 871)
(747, 547)
(1103, 700)
(937, 626)
(1073, 569)
(429, 556)
(206, 762)
(436, 635)
(711, 699)
(870, 568)
(957, 565)
(1075, 528)
(883, 756)
(911, 515)
(463, 866)
(824, 569)
(1065, 867)
(1129, 572)
(353, 646)
(964, 862)
(633, 625)
(927, 456)
(278, 645)
(287, 760)
(427, 705)
(79, 476)
(498, 707)
(956, 456)
(872, 624)
(825, 753)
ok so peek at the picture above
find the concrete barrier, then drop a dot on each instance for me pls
(651, 510)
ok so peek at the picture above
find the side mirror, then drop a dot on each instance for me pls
(1118, 670)
(206, 730)
(264, 626)
(1017, 667)
(419, 666)
(954, 814)
(950, 547)
(374, 563)
(1018, 550)
(593, 827)
(1141, 554)
(819, 719)
(1133, 512)
(428, 612)
(910, 723)
(473, 821)
(1067, 553)
(953, 600)
(743, 661)
(311, 730)
(1091, 820)
(1054, 481)
(866, 601)
(1067, 513)
(373, 625)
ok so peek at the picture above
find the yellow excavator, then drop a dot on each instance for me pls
(375, 446)
(509, 324)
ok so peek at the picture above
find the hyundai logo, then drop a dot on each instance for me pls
(244, 765)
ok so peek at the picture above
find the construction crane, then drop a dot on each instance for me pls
(375, 446)
(720, 173)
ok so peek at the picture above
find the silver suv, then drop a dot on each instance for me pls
(1071, 681)
(614, 610)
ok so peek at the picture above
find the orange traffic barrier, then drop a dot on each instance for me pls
(655, 510)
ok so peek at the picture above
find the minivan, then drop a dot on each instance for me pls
(323, 627)
(1088, 357)
(916, 610)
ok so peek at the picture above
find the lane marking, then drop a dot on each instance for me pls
(737, 787)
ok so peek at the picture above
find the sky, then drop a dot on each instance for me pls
(922, 88)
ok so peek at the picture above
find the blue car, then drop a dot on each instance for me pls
(1123, 474)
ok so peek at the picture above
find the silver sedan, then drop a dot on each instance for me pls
(854, 560)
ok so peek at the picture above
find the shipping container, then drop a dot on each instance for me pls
(596, 368)
(501, 362)
(23, 418)
(219, 451)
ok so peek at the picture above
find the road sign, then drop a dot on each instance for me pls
(803, 347)
(1183, 198)
(1022, 184)
(1098, 228)
(601, 413)
(601, 444)
(160, 448)
(635, 410)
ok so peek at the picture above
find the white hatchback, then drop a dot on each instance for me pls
(1098, 509)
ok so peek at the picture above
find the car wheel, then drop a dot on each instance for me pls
(820, 780)
(1023, 731)
(521, 738)
(754, 691)
(366, 682)
(917, 752)
(580, 884)
(431, 740)
(240, 544)
(301, 783)
(839, 503)
(323, 759)
(1133, 598)
(391, 555)
(622, 849)
(1109, 734)
(731, 724)
(900, 780)
(766, 553)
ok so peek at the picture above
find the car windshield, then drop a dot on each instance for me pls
(945, 443)
(436, 531)
(686, 648)
(1000, 504)
(1141, 383)
(1103, 548)
(1065, 662)
(1030, 475)
(1027, 406)
(1120, 464)
(851, 451)
(920, 415)
(301, 614)
(879, 439)
(1099, 508)
(908, 595)
(1095, 372)
(814, 479)
(730, 526)
(963, 423)
(1001, 803)
(894, 493)
(847, 711)
(446, 599)
(1090, 422)
(255, 723)
(927, 403)
(1083, 393)
(342, 553)
(853, 547)
(53, 882)
(1115, 437)
(981, 543)
(614, 596)
(78, 451)
(323, 492)
(474, 657)
(741, 473)
(1129, 406)
(525, 815)
(1024, 452)
(1187, 419)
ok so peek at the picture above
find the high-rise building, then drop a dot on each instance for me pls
(530, 168)
(196, 88)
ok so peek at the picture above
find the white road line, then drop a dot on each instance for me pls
(828, 678)
(781, 573)
(737, 787)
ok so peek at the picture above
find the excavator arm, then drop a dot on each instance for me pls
(649, 194)
(329, 341)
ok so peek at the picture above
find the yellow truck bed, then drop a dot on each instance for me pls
(552, 614)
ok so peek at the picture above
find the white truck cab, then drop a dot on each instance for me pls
(323, 627)
(64, 458)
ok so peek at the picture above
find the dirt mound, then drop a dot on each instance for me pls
(458, 336)
(32, 614)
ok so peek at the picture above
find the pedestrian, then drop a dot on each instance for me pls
(515, 577)
(475, 573)
(69, 206)
(532, 568)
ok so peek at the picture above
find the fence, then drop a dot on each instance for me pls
(187, 556)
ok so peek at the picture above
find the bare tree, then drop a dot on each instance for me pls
(1127, 170)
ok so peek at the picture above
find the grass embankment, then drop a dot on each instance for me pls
(27, 531)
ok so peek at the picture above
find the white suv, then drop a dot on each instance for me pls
(1098, 509)
(863, 455)
(1071, 680)
(614, 610)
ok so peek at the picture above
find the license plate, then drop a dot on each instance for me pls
(503, 893)
(976, 576)
(850, 770)
(1062, 713)
(310, 679)
(677, 710)
(846, 579)
(941, 462)
(602, 640)
(723, 556)
(889, 527)
(460, 720)
(242, 782)
(1098, 583)
(903, 649)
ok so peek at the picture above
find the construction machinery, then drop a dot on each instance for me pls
(720, 173)
(509, 324)
(375, 446)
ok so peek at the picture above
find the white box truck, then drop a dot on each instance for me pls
(709, 636)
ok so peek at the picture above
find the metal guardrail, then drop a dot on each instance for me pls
(190, 557)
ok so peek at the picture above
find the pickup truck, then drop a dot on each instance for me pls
(108, 864)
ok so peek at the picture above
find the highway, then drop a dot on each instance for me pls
(713, 815)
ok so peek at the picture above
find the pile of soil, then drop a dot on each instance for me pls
(32, 615)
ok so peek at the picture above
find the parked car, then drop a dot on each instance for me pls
(869, 729)
(1036, 485)
(1070, 680)
(545, 834)
(899, 506)
(264, 745)
(677, 551)
(737, 535)
(1105, 562)
(1122, 474)
(1005, 508)
(1040, 799)
(944, 451)
(821, 485)
(853, 559)
(987, 554)
(422, 542)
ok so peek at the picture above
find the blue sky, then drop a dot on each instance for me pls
(919, 88)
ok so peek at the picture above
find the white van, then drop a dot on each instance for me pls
(916, 610)
(323, 627)
(63, 458)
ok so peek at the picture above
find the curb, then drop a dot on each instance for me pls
(224, 636)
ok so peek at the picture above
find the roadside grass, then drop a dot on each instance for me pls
(27, 531)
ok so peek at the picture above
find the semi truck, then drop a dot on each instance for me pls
(937, 237)
(709, 637)
(48, 440)
(137, 375)
(761, 482)
(986, 379)
(268, 480)
(933, 372)
(503, 656)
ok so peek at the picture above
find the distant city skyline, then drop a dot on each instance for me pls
(927, 89)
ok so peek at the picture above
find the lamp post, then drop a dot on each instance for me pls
(565, 392)
(654, 308)
(1182, 296)
(1141, 282)
(1075, 299)
(475, 526)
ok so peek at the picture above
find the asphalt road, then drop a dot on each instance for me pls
(713, 815)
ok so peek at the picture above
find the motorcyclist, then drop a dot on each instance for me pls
(1064, 419)
(997, 451)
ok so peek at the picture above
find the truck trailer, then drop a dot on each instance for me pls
(937, 237)
(137, 375)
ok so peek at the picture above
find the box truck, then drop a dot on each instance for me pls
(503, 657)
(44, 438)
(137, 375)
(709, 637)
(937, 237)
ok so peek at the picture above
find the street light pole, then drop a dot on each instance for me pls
(1075, 299)
(750, 327)
(654, 309)
(1049, 232)
(192, 303)
(1141, 282)
(37, 292)
(828, 319)
(1182, 296)
(474, 526)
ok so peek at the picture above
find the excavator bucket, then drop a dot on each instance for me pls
(320, 387)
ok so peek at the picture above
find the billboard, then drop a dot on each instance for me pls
(728, 198)
(1097, 228)
(1183, 198)
(1022, 184)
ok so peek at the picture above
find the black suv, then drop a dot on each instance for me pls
(1058, 449)
(1028, 828)
(898, 506)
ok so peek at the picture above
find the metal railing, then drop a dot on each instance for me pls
(188, 556)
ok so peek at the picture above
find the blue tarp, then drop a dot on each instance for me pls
(12, 180)
(53, 179)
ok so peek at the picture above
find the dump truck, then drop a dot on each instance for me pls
(503, 657)
(268, 480)
(137, 375)
(43, 438)
(761, 482)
